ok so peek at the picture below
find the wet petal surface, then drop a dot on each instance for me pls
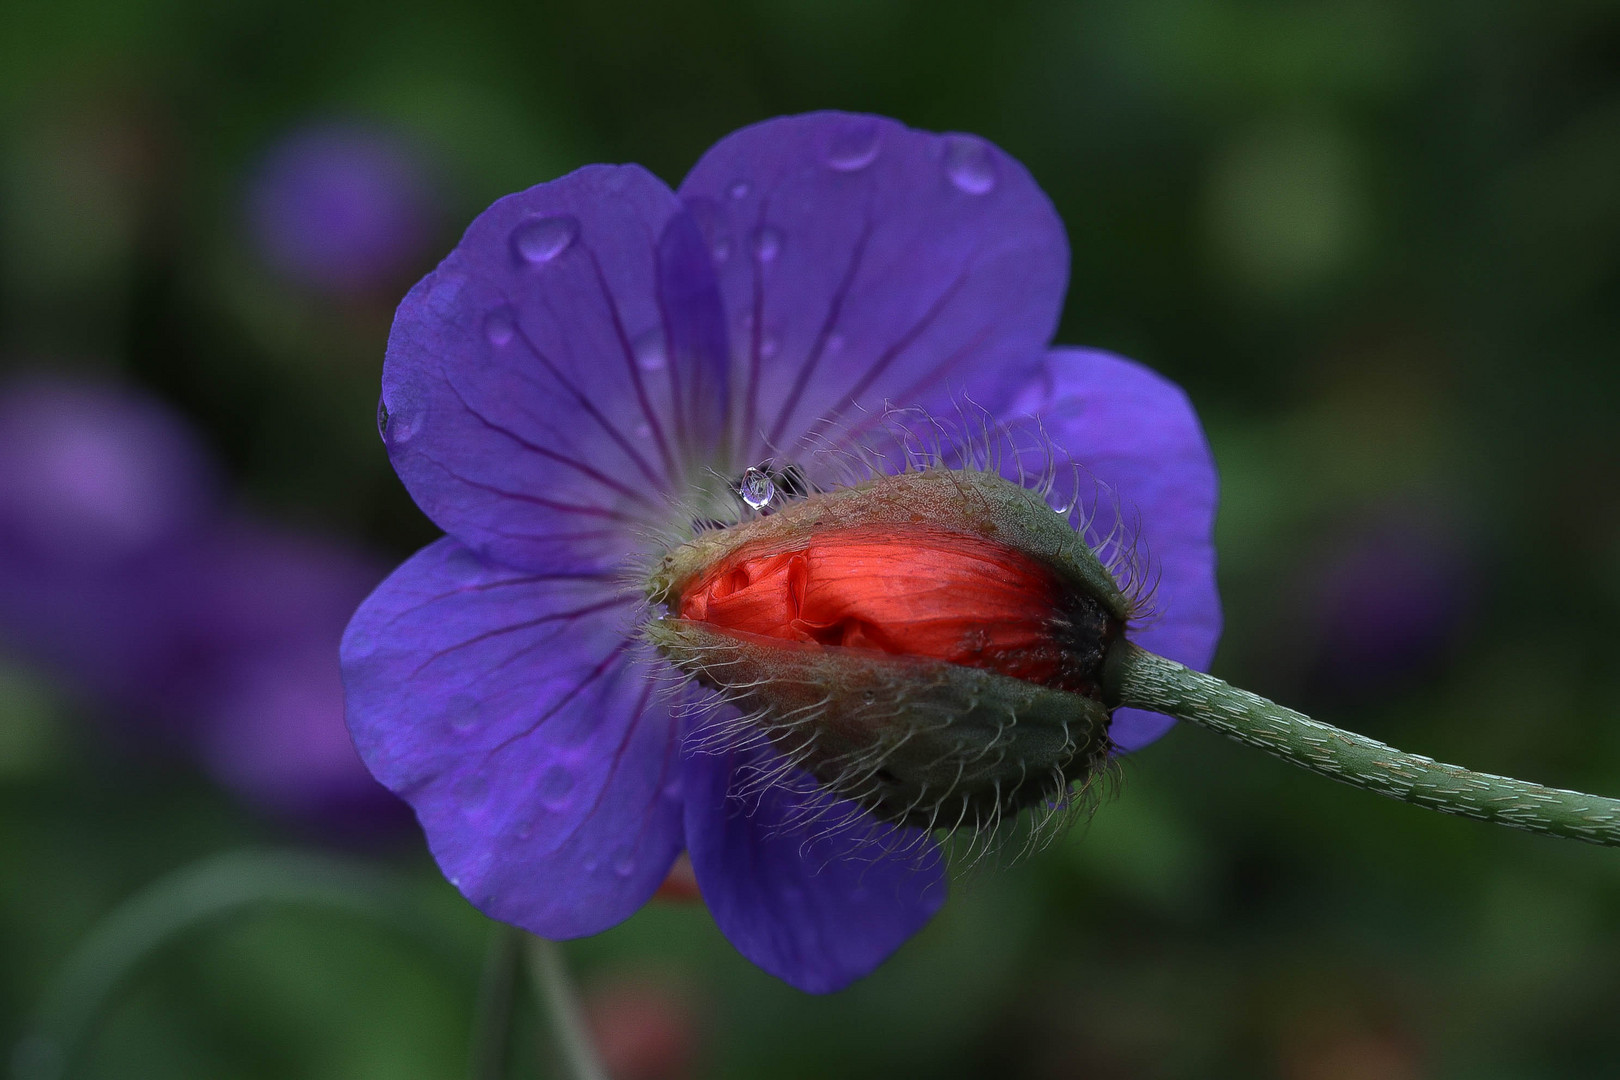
(515, 712)
(863, 262)
(808, 887)
(546, 386)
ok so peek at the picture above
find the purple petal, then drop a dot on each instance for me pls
(527, 399)
(808, 887)
(514, 713)
(1147, 484)
(863, 262)
(695, 337)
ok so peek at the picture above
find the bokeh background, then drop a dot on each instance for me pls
(1379, 243)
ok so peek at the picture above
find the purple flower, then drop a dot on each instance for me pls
(1387, 599)
(597, 348)
(341, 207)
(122, 573)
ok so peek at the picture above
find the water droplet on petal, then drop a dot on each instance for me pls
(969, 164)
(472, 792)
(500, 326)
(855, 145)
(649, 350)
(541, 239)
(740, 189)
(767, 243)
(835, 343)
(643, 430)
(756, 488)
(397, 420)
(624, 861)
(767, 347)
(556, 785)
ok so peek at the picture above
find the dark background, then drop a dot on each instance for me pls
(1379, 244)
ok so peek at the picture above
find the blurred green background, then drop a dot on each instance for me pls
(1379, 244)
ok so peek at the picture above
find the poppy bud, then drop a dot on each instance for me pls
(929, 645)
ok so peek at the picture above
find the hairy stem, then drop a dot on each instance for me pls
(1141, 679)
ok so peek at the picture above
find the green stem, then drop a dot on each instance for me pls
(563, 1012)
(195, 896)
(492, 1027)
(1141, 679)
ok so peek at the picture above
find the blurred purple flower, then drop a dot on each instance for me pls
(121, 572)
(594, 348)
(1386, 600)
(342, 207)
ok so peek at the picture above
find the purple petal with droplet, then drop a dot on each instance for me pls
(808, 887)
(868, 263)
(514, 406)
(513, 710)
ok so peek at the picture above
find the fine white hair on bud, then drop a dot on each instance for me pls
(929, 644)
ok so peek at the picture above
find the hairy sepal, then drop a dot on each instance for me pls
(915, 741)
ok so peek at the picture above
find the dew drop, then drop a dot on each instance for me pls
(556, 784)
(472, 791)
(740, 189)
(756, 488)
(767, 243)
(624, 861)
(398, 421)
(855, 145)
(969, 165)
(541, 239)
(649, 350)
(500, 326)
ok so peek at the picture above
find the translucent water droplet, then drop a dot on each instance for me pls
(649, 350)
(740, 189)
(756, 488)
(767, 243)
(397, 420)
(472, 792)
(556, 784)
(541, 239)
(855, 145)
(969, 164)
(767, 347)
(643, 430)
(500, 326)
(624, 861)
(835, 343)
